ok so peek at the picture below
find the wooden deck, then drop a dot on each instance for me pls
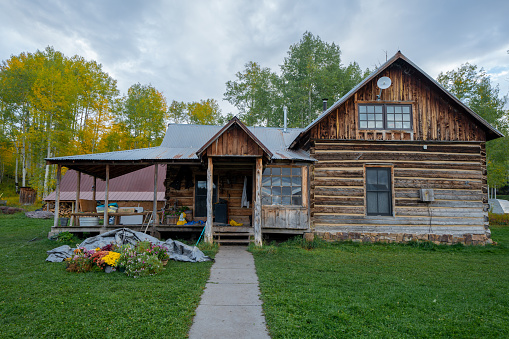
(220, 230)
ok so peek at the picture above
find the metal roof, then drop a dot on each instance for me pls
(134, 186)
(493, 131)
(182, 141)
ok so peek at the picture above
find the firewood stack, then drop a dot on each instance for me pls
(65, 209)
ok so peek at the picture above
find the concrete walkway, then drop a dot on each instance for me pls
(499, 206)
(230, 306)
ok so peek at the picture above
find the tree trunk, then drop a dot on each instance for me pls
(48, 155)
(23, 163)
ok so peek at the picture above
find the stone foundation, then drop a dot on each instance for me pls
(439, 239)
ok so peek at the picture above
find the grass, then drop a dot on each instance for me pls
(385, 290)
(40, 299)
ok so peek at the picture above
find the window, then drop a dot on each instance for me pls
(282, 186)
(384, 116)
(378, 191)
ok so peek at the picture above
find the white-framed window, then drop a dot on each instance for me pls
(282, 186)
(385, 116)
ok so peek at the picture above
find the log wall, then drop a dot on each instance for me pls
(456, 171)
(435, 116)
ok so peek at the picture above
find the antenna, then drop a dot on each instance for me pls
(383, 83)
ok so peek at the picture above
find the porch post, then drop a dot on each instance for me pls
(210, 188)
(94, 189)
(77, 206)
(106, 188)
(57, 196)
(155, 217)
(258, 203)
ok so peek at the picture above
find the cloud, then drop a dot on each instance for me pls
(189, 50)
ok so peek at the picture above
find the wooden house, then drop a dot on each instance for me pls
(397, 162)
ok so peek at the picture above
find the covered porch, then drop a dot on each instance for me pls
(220, 176)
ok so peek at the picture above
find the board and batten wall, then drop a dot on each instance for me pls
(444, 151)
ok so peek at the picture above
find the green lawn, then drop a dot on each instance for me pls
(386, 291)
(40, 299)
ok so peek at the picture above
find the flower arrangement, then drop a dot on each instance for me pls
(161, 252)
(143, 259)
(111, 258)
(80, 262)
(143, 264)
(98, 260)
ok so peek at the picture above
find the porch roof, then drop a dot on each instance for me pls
(180, 145)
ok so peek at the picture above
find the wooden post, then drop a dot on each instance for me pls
(57, 195)
(155, 217)
(210, 189)
(258, 203)
(94, 189)
(77, 205)
(105, 223)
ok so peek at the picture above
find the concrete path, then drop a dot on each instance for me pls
(230, 306)
(499, 206)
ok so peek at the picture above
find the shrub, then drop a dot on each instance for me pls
(66, 237)
(499, 219)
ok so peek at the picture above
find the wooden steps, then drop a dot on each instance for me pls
(233, 234)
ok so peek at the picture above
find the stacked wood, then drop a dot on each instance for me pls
(65, 209)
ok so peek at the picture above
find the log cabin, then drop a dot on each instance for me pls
(398, 158)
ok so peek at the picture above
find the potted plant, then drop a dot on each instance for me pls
(173, 214)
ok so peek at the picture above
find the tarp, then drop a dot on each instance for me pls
(178, 251)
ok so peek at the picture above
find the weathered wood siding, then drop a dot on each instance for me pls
(289, 217)
(435, 116)
(234, 142)
(230, 183)
(456, 171)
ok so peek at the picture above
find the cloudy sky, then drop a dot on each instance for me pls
(190, 49)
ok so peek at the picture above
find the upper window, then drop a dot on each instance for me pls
(282, 186)
(385, 116)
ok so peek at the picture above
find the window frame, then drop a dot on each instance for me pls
(384, 113)
(292, 175)
(390, 191)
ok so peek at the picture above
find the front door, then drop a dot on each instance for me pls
(200, 195)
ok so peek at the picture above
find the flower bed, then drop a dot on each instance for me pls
(135, 261)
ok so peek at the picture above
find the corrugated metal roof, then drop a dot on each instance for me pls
(496, 133)
(152, 153)
(112, 196)
(278, 141)
(137, 186)
(182, 141)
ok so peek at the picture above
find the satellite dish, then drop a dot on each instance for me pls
(383, 82)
